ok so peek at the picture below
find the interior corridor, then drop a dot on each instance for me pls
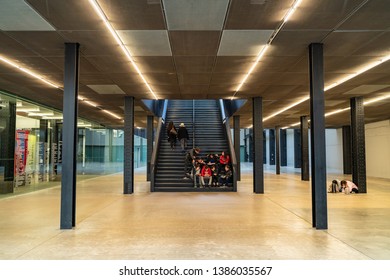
(242, 225)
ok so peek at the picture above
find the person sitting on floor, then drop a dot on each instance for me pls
(349, 187)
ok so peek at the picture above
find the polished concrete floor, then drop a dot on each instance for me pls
(242, 225)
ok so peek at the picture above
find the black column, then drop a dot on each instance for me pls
(305, 175)
(347, 150)
(149, 144)
(277, 152)
(128, 165)
(297, 149)
(264, 147)
(69, 137)
(271, 146)
(250, 147)
(283, 147)
(358, 144)
(258, 169)
(7, 147)
(237, 146)
(317, 132)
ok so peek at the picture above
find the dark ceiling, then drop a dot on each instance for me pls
(199, 49)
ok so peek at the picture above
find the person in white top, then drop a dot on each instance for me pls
(349, 187)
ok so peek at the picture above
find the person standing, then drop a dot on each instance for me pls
(182, 135)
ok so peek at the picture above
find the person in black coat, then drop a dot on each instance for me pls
(172, 134)
(182, 135)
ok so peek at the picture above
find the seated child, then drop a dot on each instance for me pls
(349, 187)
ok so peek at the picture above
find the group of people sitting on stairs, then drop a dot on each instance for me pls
(213, 171)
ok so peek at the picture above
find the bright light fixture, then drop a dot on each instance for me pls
(343, 80)
(368, 102)
(286, 108)
(357, 73)
(111, 114)
(37, 76)
(28, 72)
(40, 114)
(265, 47)
(119, 41)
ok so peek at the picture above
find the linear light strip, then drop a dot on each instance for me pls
(286, 108)
(368, 102)
(266, 46)
(37, 76)
(125, 50)
(111, 114)
(364, 69)
(28, 72)
(341, 81)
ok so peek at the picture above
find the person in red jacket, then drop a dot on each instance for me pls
(206, 174)
(224, 159)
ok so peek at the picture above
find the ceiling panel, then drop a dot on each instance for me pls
(252, 14)
(280, 78)
(155, 64)
(347, 43)
(18, 15)
(233, 64)
(146, 42)
(243, 42)
(191, 43)
(365, 89)
(295, 43)
(194, 64)
(134, 14)
(106, 89)
(194, 78)
(195, 14)
(373, 15)
(68, 15)
(321, 14)
(54, 44)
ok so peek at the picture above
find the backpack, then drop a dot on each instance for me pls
(173, 131)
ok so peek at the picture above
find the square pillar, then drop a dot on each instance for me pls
(149, 144)
(271, 146)
(283, 147)
(347, 149)
(258, 169)
(69, 137)
(358, 144)
(277, 151)
(237, 146)
(128, 165)
(297, 149)
(317, 133)
(305, 176)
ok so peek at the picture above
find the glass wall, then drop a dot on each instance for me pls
(31, 147)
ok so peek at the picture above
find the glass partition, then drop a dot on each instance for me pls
(31, 147)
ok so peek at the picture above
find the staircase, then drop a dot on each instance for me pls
(170, 163)
(209, 137)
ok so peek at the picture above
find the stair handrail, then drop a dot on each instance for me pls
(193, 123)
(157, 140)
(225, 122)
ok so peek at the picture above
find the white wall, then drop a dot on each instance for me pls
(378, 149)
(290, 147)
(334, 150)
